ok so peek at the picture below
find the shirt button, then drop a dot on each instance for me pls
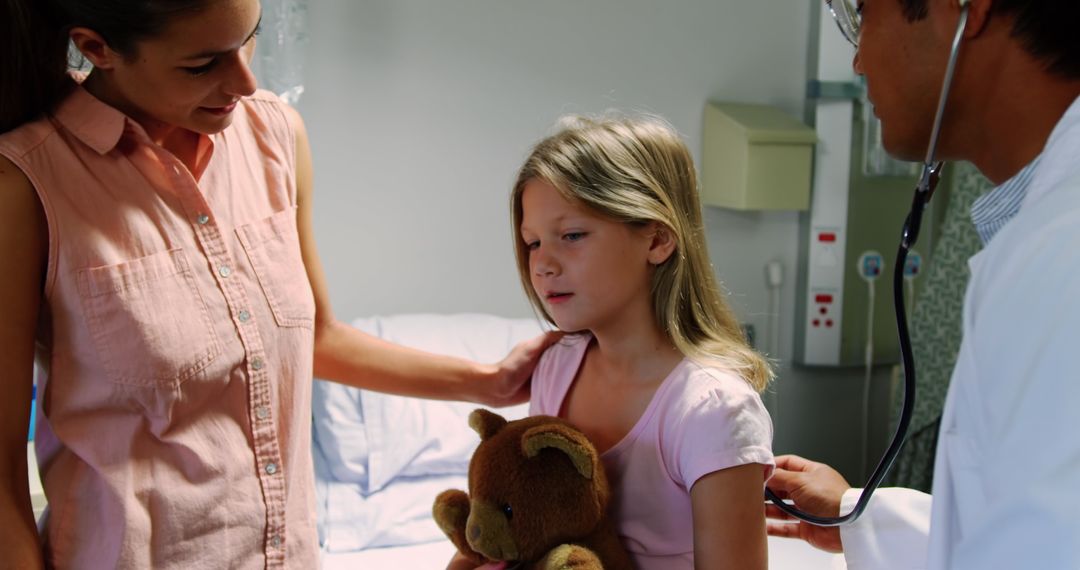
(271, 468)
(224, 271)
(257, 363)
(275, 540)
(263, 412)
(202, 219)
(245, 316)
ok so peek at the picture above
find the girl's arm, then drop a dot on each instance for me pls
(729, 521)
(346, 355)
(23, 251)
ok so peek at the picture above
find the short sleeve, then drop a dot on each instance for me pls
(720, 423)
(540, 387)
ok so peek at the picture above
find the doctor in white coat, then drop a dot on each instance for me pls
(1006, 490)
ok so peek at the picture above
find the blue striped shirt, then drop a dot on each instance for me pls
(991, 211)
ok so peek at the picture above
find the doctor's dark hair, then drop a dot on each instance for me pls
(1047, 28)
(33, 69)
(638, 171)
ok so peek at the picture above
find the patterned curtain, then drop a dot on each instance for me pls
(936, 328)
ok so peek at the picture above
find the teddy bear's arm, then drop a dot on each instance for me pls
(570, 557)
(451, 512)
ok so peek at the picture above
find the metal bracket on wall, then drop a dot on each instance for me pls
(816, 89)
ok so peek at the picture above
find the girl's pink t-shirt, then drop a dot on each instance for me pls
(700, 420)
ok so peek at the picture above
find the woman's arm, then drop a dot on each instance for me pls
(23, 251)
(346, 355)
(729, 523)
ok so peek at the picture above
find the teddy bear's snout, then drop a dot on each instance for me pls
(488, 533)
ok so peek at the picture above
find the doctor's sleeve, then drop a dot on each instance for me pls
(892, 533)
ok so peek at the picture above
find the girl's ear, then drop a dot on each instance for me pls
(94, 48)
(662, 244)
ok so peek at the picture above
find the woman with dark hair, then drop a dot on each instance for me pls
(155, 228)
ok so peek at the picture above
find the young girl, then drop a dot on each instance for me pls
(156, 238)
(610, 245)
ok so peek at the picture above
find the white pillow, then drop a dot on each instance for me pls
(366, 441)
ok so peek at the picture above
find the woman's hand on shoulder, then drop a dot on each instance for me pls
(511, 376)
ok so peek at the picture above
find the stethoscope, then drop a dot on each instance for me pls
(847, 18)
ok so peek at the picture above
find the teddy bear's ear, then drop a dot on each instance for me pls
(486, 423)
(569, 441)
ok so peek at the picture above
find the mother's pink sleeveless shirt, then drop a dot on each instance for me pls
(176, 342)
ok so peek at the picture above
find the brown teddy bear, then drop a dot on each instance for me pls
(538, 499)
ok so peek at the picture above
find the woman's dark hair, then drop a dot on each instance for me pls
(33, 69)
(1047, 28)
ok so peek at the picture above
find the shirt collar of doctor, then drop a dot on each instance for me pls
(991, 211)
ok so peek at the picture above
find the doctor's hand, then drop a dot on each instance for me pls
(512, 374)
(815, 488)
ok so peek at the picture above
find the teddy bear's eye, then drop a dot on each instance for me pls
(508, 512)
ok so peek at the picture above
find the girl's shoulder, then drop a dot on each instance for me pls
(554, 372)
(709, 375)
(561, 358)
(564, 354)
(705, 391)
(570, 345)
(712, 420)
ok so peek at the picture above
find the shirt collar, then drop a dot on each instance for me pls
(991, 211)
(101, 126)
(90, 120)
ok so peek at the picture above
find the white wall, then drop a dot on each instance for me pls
(421, 111)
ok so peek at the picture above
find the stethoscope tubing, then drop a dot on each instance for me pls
(928, 179)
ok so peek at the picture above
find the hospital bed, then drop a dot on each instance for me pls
(380, 460)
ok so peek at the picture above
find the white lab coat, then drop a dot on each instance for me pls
(1007, 476)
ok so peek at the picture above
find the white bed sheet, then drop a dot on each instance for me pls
(784, 554)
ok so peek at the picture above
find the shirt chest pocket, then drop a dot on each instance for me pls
(273, 248)
(148, 320)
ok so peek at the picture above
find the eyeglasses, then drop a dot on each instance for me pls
(848, 17)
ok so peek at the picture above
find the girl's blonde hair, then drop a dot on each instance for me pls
(636, 171)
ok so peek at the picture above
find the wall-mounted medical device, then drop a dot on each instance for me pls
(857, 205)
(755, 157)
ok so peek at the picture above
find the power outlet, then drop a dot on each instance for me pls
(870, 265)
(912, 265)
